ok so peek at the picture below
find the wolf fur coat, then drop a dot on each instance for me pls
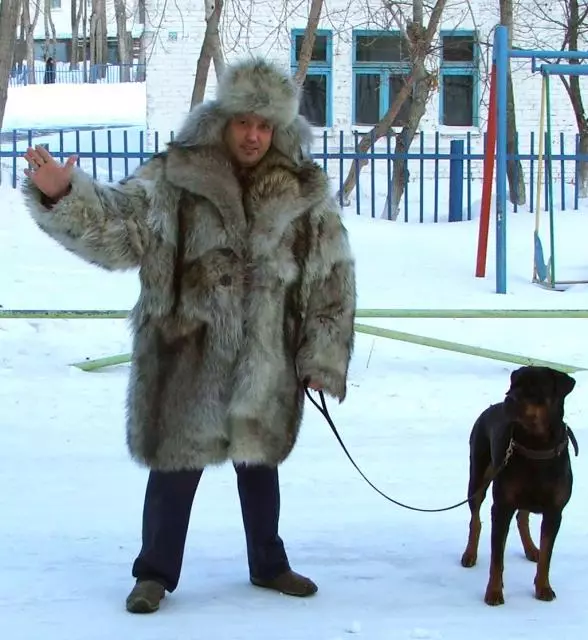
(247, 289)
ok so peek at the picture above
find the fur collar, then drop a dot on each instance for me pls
(277, 191)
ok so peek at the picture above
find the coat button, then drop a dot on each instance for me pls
(225, 280)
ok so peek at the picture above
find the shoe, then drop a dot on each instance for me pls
(145, 597)
(289, 583)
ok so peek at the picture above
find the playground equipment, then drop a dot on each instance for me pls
(109, 361)
(543, 272)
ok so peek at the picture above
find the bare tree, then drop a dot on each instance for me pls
(314, 17)
(514, 168)
(77, 12)
(9, 17)
(50, 34)
(576, 24)
(417, 87)
(21, 42)
(98, 39)
(124, 42)
(141, 71)
(29, 30)
(210, 51)
(563, 25)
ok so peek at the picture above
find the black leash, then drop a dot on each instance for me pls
(325, 412)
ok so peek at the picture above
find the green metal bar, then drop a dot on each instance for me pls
(549, 155)
(60, 314)
(93, 365)
(100, 363)
(472, 313)
(464, 348)
(75, 314)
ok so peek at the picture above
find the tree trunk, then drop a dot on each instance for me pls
(50, 34)
(103, 37)
(20, 48)
(85, 39)
(29, 37)
(141, 71)
(210, 50)
(122, 40)
(98, 44)
(573, 88)
(514, 168)
(419, 41)
(314, 17)
(381, 129)
(418, 107)
(76, 17)
(9, 17)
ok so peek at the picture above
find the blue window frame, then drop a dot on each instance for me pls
(316, 100)
(459, 79)
(380, 68)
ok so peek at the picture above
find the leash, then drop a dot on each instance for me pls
(322, 407)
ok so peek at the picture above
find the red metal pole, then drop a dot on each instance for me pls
(489, 157)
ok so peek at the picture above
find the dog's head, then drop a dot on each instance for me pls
(536, 397)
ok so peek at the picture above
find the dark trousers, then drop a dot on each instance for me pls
(166, 515)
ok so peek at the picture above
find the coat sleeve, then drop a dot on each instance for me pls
(328, 332)
(103, 224)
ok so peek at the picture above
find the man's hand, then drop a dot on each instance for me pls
(51, 178)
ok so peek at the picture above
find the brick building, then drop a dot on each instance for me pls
(357, 64)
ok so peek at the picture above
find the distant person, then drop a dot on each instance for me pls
(49, 71)
(247, 297)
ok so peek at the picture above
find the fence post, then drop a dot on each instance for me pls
(456, 181)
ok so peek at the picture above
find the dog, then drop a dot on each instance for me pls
(520, 446)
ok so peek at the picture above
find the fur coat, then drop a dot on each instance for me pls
(247, 289)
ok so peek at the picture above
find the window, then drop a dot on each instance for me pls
(458, 95)
(56, 4)
(315, 103)
(380, 67)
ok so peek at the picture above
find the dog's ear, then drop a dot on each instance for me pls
(564, 384)
(516, 374)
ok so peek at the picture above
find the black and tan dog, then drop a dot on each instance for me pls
(521, 446)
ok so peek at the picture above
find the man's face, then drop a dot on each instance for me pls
(248, 138)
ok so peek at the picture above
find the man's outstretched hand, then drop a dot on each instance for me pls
(315, 386)
(50, 177)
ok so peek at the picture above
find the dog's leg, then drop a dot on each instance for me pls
(501, 518)
(477, 490)
(531, 551)
(550, 525)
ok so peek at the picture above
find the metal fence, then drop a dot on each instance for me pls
(92, 74)
(443, 178)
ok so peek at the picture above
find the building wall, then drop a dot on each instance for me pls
(266, 29)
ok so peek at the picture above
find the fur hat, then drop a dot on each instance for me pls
(252, 86)
(260, 87)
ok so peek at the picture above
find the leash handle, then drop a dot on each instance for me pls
(322, 407)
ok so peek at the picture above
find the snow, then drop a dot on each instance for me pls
(73, 105)
(71, 498)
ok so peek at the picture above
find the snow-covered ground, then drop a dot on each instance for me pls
(71, 499)
(66, 106)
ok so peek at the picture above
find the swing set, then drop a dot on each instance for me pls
(543, 271)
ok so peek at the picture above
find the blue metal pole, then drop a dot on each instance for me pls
(500, 57)
(456, 181)
(546, 55)
(564, 69)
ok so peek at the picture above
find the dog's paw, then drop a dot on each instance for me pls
(544, 593)
(532, 554)
(494, 597)
(469, 559)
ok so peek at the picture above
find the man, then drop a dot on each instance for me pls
(247, 295)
